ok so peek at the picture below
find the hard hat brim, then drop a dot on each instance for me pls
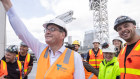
(115, 27)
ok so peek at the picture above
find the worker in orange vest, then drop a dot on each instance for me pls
(95, 55)
(3, 69)
(14, 67)
(25, 58)
(130, 55)
(55, 61)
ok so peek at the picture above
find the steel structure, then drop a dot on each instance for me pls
(100, 19)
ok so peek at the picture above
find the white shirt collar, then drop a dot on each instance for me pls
(61, 50)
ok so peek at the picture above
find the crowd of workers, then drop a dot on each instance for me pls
(18, 64)
(55, 61)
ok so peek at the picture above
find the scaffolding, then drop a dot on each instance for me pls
(100, 19)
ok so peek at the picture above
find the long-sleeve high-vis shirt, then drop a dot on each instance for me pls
(109, 70)
(37, 47)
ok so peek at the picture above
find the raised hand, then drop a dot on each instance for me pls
(7, 4)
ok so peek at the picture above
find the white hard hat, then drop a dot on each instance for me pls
(108, 48)
(117, 38)
(96, 40)
(58, 22)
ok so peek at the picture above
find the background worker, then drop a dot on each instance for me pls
(76, 44)
(109, 67)
(3, 69)
(53, 57)
(14, 67)
(95, 55)
(130, 55)
(25, 58)
(117, 42)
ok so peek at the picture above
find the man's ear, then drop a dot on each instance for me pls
(63, 34)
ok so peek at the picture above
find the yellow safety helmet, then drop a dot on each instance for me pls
(76, 42)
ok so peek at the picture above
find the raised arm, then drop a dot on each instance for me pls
(21, 30)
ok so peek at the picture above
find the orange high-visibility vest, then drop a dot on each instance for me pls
(26, 62)
(20, 68)
(89, 75)
(95, 60)
(3, 68)
(62, 68)
(131, 70)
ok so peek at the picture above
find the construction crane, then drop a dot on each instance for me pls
(100, 19)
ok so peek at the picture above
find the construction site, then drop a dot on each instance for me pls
(100, 30)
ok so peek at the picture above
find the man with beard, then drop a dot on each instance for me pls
(14, 67)
(130, 55)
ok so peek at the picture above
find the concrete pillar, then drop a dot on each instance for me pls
(2, 30)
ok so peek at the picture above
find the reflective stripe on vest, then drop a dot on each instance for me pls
(131, 70)
(95, 64)
(95, 61)
(67, 56)
(64, 65)
(20, 68)
(91, 76)
(3, 65)
(3, 70)
(26, 62)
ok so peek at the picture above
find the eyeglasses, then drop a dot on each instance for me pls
(51, 29)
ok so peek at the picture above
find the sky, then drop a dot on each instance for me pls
(36, 12)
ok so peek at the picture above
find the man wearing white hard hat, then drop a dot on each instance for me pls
(109, 68)
(54, 60)
(95, 55)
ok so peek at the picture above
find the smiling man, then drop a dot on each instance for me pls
(130, 55)
(54, 60)
(26, 59)
(14, 67)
